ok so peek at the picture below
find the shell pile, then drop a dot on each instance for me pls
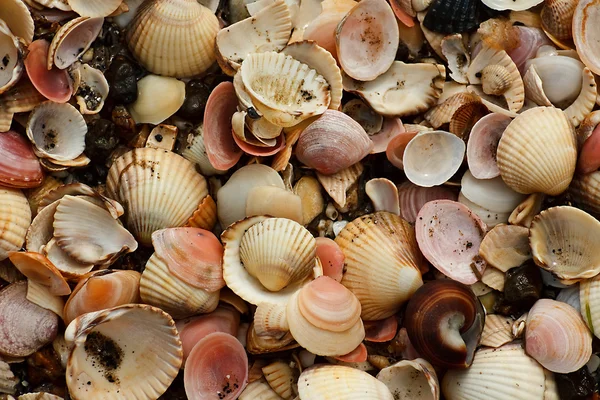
(299, 199)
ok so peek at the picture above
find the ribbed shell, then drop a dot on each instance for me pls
(174, 37)
(8, 381)
(281, 377)
(158, 189)
(452, 16)
(14, 219)
(589, 301)
(557, 18)
(585, 190)
(382, 265)
(497, 331)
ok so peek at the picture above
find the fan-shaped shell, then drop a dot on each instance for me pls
(94, 8)
(413, 198)
(160, 189)
(557, 18)
(174, 37)
(18, 18)
(506, 247)
(15, 219)
(19, 167)
(382, 263)
(72, 40)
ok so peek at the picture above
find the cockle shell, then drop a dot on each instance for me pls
(259, 389)
(94, 8)
(382, 263)
(19, 167)
(282, 378)
(196, 152)
(12, 58)
(557, 18)
(337, 185)
(550, 129)
(18, 18)
(55, 84)
(506, 247)
(413, 197)
(174, 37)
(15, 220)
(585, 35)
(160, 189)
(72, 40)
(586, 299)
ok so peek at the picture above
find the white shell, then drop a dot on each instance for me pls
(518, 5)
(458, 57)
(18, 18)
(492, 194)
(326, 382)
(94, 8)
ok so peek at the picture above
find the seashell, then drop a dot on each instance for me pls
(366, 58)
(91, 89)
(500, 65)
(57, 131)
(19, 167)
(465, 117)
(40, 295)
(39, 269)
(414, 379)
(584, 34)
(381, 331)
(493, 278)
(281, 377)
(585, 190)
(39, 396)
(424, 162)
(94, 8)
(266, 74)
(309, 191)
(260, 389)
(559, 236)
(321, 60)
(548, 69)
(383, 195)
(495, 80)
(256, 344)
(216, 367)
(551, 127)
(527, 210)
(497, 331)
(274, 201)
(333, 143)
(492, 194)
(584, 103)
(557, 337)
(586, 299)
(483, 143)
(88, 233)
(101, 290)
(158, 98)
(256, 150)
(453, 48)
(505, 247)
(413, 198)
(159, 37)
(195, 151)
(318, 382)
(168, 182)
(72, 40)
(25, 327)
(15, 220)
(519, 5)
(18, 18)
(362, 113)
(53, 84)
(12, 58)
(68, 266)
(205, 217)
(322, 28)
(392, 127)
(404, 89)
(521, 378)
(456, 316)
(445, 16)
(271, 320)
(557, 18)
(144, 371)
(22, 97)
(489, 217)
(443, 112)
(267, 30)
(433, 38)
(232, 197)
(382, 263)
(453, 249)
(8, 381)
(530, 40)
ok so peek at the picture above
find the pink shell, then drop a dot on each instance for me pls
(55, 84)
(24, 326)
(402, 16)
(449, 236)
(193, 255)
(589, 157)
(222, 151)
(19, 166)
(217, 368)
(413, 197)
(358, 355)
(395, 148)
(331, 257)
(381, 331)
(483, 143)
(260, 151)
(391, 128)
(531, 39)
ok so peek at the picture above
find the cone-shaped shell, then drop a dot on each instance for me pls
(557, 337)
(160, 190)
(131, 351)
(537, 152)
(19, 166)
(564, 241)
(382, 263)
(15, 220)
(278, 252)
(174, 37)
(319, 382)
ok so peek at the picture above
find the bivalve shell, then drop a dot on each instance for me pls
(72, 40)
(18, 18)
(90, 89)
(158, 98)
(19, 166)
(15, 220)
(557, 18)
(497, 331)
(94, 8)
(506, 247)
(586, 35)
(12, 58)
(413, 198)
(588, 301)
(411, 380)
(53, 84)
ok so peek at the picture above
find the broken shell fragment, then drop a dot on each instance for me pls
(383, 195)
(158, 98)
(90, 89)
(506, 247)
(72, 40)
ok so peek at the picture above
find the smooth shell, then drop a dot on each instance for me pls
(483, 143)
(55, 84)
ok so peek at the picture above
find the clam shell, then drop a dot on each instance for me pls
(585, 35)
(411, 380)
(278, 252)
(497, 374)
(549, 68)
(520, 5)
(563, 240)
(195, 151)
(40, 270)
(392, 127)
(68, 266)
(19, 167)
(426, 164)
(158, 98)
(483, 143)
(57, 131)
(557, 337)
(384, 195)
(404, 89)
(12, 58)
(281, 377)
(174, 37)
(72, 40)
(332, 143)
(413, 198)
(267, 30)
(555, 163)
(18, 18)
(497, 331)
(506, 247)
(359, 111)
(274, 201)
(15, 220)
(147, 346)
(571, 296)
(492, 194)
(309, 191)
(367, 39)
(382, 263)
(55, 84)
(266, 75)
(319, 382)
(160, 190)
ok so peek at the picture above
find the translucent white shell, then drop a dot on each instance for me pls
(12, 58)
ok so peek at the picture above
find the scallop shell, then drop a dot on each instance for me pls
(148, 353)
(555, 161)
(563, 240)
(265, 75)
(159, 37)
(319, 382)
(506, 247)
(12, 58)
(159, 189)
(281, 377)
(585, 35)
(72, 40)
(15, 220)
(158, 98)
(557, 18)
(404, 89)
(382, 263)
(18, 18)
